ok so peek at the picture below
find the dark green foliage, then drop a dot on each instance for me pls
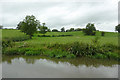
(29, 25)
(48, 30)
(55, 30)
(89, 50)
(93, 33)
(70, 30)
(63, 29)
(90, 29)
(67, 30)
(44, 36)
(61, 35)
(102, 33)
(43, 29)
(6, 43)
(78, 29)
(117, 28)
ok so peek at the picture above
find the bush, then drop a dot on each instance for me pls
(44, 36)
(55, 30)
(6, 43)
(90, 28)
(83, 49)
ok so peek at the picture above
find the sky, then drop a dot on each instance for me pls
(61, 13)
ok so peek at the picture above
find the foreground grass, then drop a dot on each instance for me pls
(59, 46)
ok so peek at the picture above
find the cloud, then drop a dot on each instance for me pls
(59, 13)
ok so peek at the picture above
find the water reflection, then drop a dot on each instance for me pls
(75, 62)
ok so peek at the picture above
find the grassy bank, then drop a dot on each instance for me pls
(77, 45)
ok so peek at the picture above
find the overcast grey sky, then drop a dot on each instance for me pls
(62, 13)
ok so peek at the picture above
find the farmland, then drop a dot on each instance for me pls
(57, 46)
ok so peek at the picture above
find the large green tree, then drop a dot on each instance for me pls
(29, 25)
(42, 28)
(90, 28)
(117, 28)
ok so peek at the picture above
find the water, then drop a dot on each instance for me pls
(44, 67)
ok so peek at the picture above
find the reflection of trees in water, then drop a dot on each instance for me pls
(76, 62)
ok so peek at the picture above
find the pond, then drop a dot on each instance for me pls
(44, 67)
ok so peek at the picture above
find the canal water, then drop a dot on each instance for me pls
(44, 67)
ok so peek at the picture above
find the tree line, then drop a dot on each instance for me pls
(30, 25)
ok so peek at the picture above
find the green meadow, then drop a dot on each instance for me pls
(58, 47)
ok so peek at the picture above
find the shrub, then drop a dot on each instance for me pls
(83, 49)
(90, 28)
(43, 35)
(6, 43)
(55, 30)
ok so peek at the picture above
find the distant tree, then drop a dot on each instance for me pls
(55, 30)
(90, 28)
(78, 29)
(1, 27)
(63, 29)
(71, 29)
(29, 25)
(43, 29)
(117, 28)
(48, 30)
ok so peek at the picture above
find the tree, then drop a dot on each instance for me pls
(1, 26)
(48, 30)
(78, 29)
(63, 29)
(55, 30)
(43, 29)
(29, 25)
(117, 28)
(71, 29)
(90, 28)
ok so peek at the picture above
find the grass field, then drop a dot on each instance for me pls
(109, 37)
(39, 45)
(15, 35)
